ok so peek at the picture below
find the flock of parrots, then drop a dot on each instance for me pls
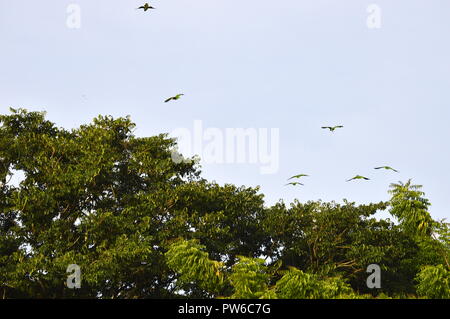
(146, 7)
(357, 177)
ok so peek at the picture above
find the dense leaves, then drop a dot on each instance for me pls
(141, 225)
(434, 282)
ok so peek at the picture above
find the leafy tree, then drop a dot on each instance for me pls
(333, 240)
(295, 284)
(434, 282)
(194, 266)
(141, 225)
(432, 238)
(110, 202)
(410, 207)
(250, 278)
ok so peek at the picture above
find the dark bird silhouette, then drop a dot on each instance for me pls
(145, 7)
(294, 184)
(176, 97)
(332, 128)
(298, 176)
(387, 168)
(359, 177)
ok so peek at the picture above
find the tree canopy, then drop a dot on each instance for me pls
(140, 225)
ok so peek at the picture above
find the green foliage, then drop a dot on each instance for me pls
(295, 284)
(441, 242)
(101, 198)
(189, 259)
(432, 238)
(411, 208)
(434, 282)
(249, 278)
(140, 225)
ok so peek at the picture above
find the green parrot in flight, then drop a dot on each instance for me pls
(387, 168)
(176, 97)
(332, 128)
(145, 7)
(298, 176)
(359, 177)
(294, 184)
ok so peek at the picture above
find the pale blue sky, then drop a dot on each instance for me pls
(288, 64)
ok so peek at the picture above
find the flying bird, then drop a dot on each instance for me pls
(387, 168)
(358, 177)
(298, 176)
(145, 7)
(176, 97)
(294, 184)
(332, 128)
